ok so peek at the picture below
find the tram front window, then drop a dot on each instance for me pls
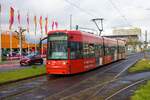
(57, 49)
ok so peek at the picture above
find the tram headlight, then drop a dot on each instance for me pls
(64, 63)
(48, 63)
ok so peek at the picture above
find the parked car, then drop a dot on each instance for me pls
(30, 59)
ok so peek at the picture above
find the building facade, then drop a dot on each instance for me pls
(131, 36)
(5, 42)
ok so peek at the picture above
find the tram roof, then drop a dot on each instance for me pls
(86, 36)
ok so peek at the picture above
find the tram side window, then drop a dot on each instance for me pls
(113, 50)
(97, 50)
(124, 49)
(116, 50)
(85, 50)
(88, 50)
(107, 50)
(101, 50)
(121, 49)
(75, 50)
(91, 50)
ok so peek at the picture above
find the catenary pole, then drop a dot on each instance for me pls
(71, 22)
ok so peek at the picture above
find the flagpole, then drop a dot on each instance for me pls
(11, 20)
(28, 32)
(35, 41)
(20, 42)
(20, 35)
(41, 33)
(41, 42)
(35, 22)
(0, 37)
(10, 32)
(28, 43)
(28, 47)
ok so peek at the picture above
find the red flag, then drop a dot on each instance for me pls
(28, 23)
(35, 23)
(11, 17)
(56, 24)
(18, 17)
(41, 23)
(53, 23)
(46, 24)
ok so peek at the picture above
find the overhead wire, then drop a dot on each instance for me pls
(79, 8)
(121, 14)
(91, 14)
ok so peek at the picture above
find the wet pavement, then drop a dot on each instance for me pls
(96, 84)
(9, 65)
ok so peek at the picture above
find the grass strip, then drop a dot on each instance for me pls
(19, 74)
(142, 93)
(142, 65)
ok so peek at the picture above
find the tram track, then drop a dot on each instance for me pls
(123, 89)
(103, 84)
(23, 86)
(82, 82)
(113, 79)
(107, 93)
(13, 85)
(85, 79)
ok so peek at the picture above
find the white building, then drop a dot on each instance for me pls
(131, 35)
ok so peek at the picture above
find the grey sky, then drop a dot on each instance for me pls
(116, 13)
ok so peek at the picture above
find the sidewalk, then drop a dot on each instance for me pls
(9, 62)
(13, 64)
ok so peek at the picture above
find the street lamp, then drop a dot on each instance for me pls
(20, 34)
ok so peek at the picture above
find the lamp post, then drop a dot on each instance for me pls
(20, 34)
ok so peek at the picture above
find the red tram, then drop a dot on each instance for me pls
(70, 52)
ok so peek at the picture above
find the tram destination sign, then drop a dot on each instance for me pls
(53, 38)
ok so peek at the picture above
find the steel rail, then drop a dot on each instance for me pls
(114, 66)
(114, 78)
(121, 90)
(26, 90)
(105, 83)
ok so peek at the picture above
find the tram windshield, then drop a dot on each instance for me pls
(57, 47)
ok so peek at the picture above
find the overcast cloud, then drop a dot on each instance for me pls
(116, 13)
